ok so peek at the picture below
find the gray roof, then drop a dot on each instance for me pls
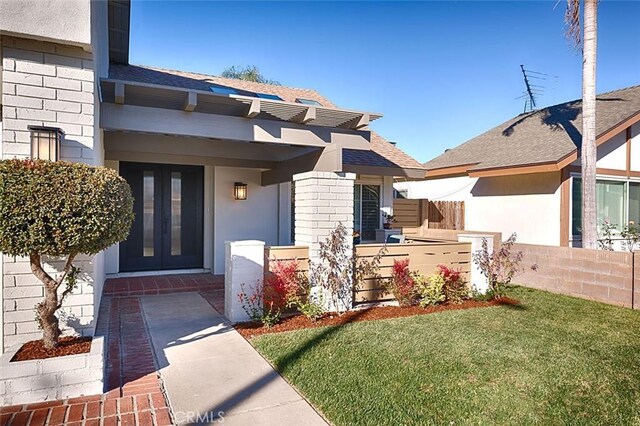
(539, 137)
(382, 154)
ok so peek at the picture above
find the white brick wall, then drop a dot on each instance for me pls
(46, 84)
(322, 199)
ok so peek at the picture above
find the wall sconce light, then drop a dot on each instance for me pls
(240, 191)
(45, 142)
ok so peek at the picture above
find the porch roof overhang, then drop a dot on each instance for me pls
(137, 93)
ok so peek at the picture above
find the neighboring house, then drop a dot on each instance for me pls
(209, 159)
(524, 175)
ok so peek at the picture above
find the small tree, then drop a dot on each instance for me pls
(60, 209)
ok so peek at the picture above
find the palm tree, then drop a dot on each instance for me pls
(247, 73)
(587, 38)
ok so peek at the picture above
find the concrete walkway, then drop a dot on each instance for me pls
(210, 373)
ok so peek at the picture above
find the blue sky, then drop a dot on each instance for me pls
(440, 72)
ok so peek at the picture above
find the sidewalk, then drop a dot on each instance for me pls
(210, 373)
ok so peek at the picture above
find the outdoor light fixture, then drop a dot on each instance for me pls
(45, 142)
(240, 191)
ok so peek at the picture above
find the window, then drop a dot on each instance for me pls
(366, 214)
(268, 96)
(616, 201)
(308, 102)
(222, 90)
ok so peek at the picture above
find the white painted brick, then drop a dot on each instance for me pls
(38, 382)
(12, 124)
(8, 281)
(16, 149)
(27, 327)
(10, 330)
(8, 112)
(69, 95)
(87, 109)
(79, 376)
(8, 88)
(87, 64)
(62, 106)
(8, 64)
(61, 364)
(66, 61)
(23, 55)
(28, 303)
(19, 101)
(87, 86)
(35, 68)
(20, 369)
(19, 316)
(36, 114)
(75, 52)
(75, 73)
(62, 83)
(36, 92)
(71, 130)
(88, 311)
(32, 396)
(22, 78)
(82, 119)
(22, 292)
(9, 305)
(70, 152)
(79, 299)
(27, 279)
(23, 137)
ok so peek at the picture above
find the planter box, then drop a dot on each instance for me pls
(48, 379)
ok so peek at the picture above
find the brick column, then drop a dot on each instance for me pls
(322, 200)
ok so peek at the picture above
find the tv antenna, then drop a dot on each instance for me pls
(531, 90)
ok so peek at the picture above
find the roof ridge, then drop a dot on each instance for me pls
(580, 99)
(226, 78)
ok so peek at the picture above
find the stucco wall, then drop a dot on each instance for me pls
(526, 204)
(255, 218)
(48, 84)
(613, 153)
(66, 21)
(635, 147)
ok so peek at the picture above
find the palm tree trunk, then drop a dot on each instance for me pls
(588, 151)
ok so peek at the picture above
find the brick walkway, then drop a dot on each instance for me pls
(134, 394)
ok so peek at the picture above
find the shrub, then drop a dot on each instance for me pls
(259, 308)
(402, 283)
(60, 209)
(339, 271)
(430, 290)
(500, 266)
(455, 287)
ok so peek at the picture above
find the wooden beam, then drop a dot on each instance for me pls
(306, 116)
(362, 122)
(628, 143)
(191, 102)
(119, 93)
(449, 171)
(254, 108)
(565, 200)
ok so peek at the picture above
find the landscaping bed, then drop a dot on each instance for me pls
(70, 345)
(297, 322)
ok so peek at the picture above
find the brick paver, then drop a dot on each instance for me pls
(133, 394)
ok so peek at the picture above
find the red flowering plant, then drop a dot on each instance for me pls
(402, 283)
(455, 286)
(281, 289)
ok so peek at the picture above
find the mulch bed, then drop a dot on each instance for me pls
(69, 345)
(252, 329)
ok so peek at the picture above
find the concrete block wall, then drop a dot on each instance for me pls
(322, 200)
(604, 276)
(54, 85)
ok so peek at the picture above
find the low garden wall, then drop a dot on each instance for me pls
(605, 276)
(275, 253)
(423, 257)
(448, 234)
(48, 379)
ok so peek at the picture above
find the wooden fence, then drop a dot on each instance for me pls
(432, 214)
(423, 257)
(274, 253)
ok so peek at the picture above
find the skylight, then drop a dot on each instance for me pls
(268, 96)
(308, 102)
(222, 90)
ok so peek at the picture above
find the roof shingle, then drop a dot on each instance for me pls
(543, 136)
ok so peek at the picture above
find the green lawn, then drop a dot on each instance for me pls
(553, 360)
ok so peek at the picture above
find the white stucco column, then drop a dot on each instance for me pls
(322, 200)
(479, 281)
(244, 265)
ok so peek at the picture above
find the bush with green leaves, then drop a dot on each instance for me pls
(60, 210)
(430, 290)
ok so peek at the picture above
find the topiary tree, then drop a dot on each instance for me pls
(60, 209)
